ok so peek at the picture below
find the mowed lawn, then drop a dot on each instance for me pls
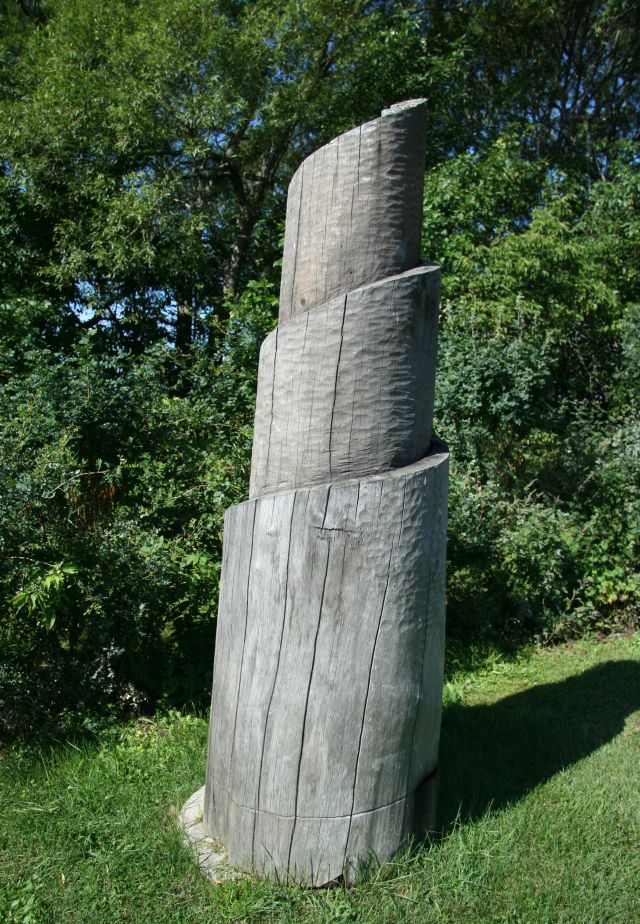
(539, 814)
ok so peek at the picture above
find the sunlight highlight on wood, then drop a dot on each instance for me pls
(328, 668)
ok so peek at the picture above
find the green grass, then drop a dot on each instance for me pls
(540, 813)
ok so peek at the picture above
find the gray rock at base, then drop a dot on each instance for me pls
(210, 855)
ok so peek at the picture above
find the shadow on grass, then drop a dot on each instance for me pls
(492, 755)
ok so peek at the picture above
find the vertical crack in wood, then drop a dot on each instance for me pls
(356, 186)
(314, 162)
(383, 378)
(273, 385)
(335, 388)
(291, 307)
(306, 705)
(275, 676)
(326, 506)
(360, 377)
(300, 446)
(244, 640)
(373, 654)
(432, 507)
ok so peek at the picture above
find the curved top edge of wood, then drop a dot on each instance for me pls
(354, 209)
(438, 453)
(393, 110)
(404, 104)
(425, 268)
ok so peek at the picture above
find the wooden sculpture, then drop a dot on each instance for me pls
(328, 668)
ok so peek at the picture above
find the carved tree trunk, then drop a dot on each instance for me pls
(329, 654)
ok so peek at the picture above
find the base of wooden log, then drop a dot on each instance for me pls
(212, 858)
(328, 674)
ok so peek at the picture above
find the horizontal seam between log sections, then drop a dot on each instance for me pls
(423, 269)
(378, 808)
(430, 460)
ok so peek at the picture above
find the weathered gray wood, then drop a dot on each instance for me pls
(239, 529)
(347, 389)
(328, 668)
(354, 210)
(337, 718)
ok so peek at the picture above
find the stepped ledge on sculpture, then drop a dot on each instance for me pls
(326, 704)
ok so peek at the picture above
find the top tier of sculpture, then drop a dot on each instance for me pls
(346, 381)
(354, 210)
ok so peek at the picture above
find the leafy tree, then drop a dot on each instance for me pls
(538, 396)
(114, 488)
(563, 73)
(156, 140)
(146, 150)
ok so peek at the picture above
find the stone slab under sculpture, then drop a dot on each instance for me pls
(327, 687)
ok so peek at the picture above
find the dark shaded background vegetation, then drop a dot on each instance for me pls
(146, 147)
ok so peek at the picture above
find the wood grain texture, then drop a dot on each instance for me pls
(347, 389)
(354, 210)
(326, 702)
(321, 740)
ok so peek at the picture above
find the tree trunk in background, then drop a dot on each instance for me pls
(184, 327)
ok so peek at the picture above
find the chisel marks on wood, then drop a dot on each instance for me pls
(351, 393)
(354, 210)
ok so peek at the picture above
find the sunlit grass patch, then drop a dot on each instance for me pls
(539, 808)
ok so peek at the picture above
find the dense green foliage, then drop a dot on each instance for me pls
(542, 827)
(145, 156)
(116, 469)
(538, 395)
